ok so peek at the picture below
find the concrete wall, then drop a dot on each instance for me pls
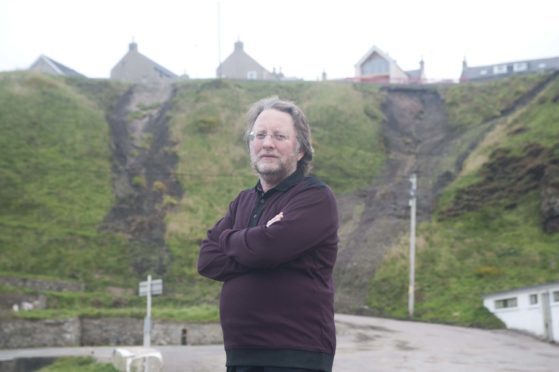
(529, 317)
(20, 333)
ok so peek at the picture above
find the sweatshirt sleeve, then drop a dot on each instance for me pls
(213, 263)
(310, 218)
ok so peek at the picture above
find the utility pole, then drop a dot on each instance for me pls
(411, 291)
(219, 74)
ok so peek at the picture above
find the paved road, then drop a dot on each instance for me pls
(375, 344)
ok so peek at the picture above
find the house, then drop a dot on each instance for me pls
(134, 67)
(531, 309)
(239, 65)
(48, 65)
(506, 69)
(378, 67)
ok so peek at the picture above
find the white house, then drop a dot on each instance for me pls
(378, 67)
(531, 309)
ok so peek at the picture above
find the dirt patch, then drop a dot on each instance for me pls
(416, 135)
(419, 139)
(143, 174)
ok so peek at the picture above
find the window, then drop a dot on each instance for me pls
(505, 303)
(533, 299)
(252, 75)
(500, 69)
(483, 72)
(520, 66)
(541, 65)
(375, 65)
(555, 296)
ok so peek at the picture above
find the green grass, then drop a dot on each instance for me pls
(195, 314)
(492, 248)
(55, 180)
(478, 102)
(55, 190)
(208, 123)
(82, 364)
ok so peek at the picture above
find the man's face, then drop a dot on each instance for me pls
(274, 151)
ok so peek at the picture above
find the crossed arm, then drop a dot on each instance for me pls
(212, 262)
(304, 222)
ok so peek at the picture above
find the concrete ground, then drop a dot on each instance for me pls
(374, 344)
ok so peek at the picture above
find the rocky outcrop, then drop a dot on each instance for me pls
(507, 177)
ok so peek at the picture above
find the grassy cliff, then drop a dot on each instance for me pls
(56, 190)
(487, 233)
(55, 182)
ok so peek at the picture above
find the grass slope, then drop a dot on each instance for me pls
(490, 246)
(55, 190)
(55, 170)
(208, 123)
(55, 182)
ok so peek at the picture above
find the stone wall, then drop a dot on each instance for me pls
(9, 300)
(171, 333)
(20, 333)
(42, 285)
(112, 331)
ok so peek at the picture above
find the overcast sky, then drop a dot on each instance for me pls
(302, 37)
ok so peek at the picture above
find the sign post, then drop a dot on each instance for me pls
(148, 288)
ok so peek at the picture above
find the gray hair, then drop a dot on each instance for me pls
(300, 122)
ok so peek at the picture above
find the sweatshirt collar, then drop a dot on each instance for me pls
(284, 185)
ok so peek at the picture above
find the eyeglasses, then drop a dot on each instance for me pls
(260, 136)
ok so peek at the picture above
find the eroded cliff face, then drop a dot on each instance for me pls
(143, 172)
(507, 177)
(417, 138)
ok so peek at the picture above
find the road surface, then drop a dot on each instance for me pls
(374, 344)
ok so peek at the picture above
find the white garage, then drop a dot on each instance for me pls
(531, 309)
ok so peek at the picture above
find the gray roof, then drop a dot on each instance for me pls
(238, 62)
(57, 67)
(509, 68)
(540, 287)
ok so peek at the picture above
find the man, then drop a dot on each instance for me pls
(274, 251)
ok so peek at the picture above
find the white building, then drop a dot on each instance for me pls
(531, 309)
(378, 67)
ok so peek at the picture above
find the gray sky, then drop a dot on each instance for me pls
(302, 37)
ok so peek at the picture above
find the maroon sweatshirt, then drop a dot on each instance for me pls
(277, 300)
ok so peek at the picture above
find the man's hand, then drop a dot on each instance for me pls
(277, 217)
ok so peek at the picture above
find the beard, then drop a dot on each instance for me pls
(271, 174)
(275, 172)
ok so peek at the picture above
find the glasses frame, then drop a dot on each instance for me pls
(261, 136)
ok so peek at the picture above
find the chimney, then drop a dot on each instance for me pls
(133, 47)
(238, 46)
